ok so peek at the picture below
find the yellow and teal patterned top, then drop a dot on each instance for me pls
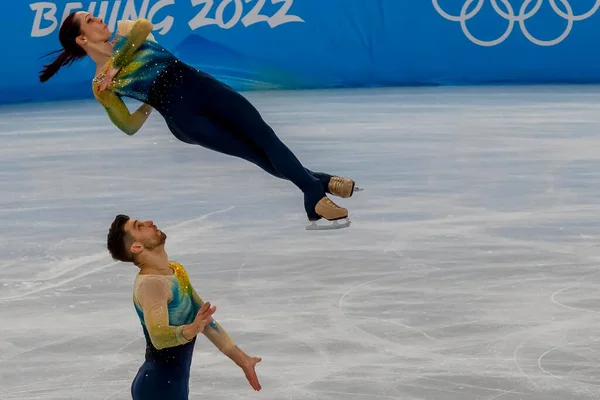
(140, 59)
(165, 303)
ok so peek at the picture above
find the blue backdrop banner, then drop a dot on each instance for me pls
(270, 44)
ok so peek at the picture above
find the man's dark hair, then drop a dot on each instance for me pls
(116, 240)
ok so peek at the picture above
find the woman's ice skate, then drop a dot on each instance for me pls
(342, 187)
(327, 209)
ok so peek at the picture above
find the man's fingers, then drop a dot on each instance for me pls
(205, 312)
(251, 376)
(203, 309)
(253, 379)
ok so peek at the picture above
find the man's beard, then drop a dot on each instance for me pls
(160, 241)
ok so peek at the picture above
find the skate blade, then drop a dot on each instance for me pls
(339, 224)
(357, 189)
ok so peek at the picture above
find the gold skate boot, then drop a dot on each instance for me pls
(342, 187)
(327, 209)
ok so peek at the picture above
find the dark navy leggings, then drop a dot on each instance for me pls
(165, 374)
(201, 110)
(153, 383)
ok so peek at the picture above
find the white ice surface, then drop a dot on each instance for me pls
(470, 270)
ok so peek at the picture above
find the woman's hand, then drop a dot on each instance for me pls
(107, 81)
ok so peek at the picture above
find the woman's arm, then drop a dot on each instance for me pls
(119, 113)
(136, 35)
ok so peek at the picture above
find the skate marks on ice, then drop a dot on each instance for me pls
(471, 354)
(50, 278)
(433, 328)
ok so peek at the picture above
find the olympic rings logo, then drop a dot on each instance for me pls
(514, 18)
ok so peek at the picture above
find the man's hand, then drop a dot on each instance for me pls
(107, 81)
(248, 368)
(203, 318)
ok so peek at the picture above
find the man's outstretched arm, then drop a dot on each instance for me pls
(219, 337)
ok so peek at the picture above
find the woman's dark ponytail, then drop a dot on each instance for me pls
(62, 60)
(71, 52)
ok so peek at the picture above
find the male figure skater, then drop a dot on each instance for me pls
(171, 314)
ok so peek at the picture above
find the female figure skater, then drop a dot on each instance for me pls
(197, 108)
